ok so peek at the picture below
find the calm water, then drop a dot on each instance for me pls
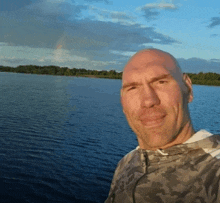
(61, 137)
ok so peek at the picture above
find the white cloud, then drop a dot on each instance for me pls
(46, 7)
(42, 56)
(151, 10)
(123, 53)
(160, 6)
(82, 43)
(3, 44)
(125, 18)
(62, 55)
(56, 1)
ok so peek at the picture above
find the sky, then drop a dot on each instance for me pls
(104, 34)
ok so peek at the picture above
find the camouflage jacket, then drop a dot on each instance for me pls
(188, 173)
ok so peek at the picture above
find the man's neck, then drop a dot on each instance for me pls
(185, 133)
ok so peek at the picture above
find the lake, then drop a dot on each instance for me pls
(62, 137)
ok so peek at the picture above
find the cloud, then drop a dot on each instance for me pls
(214, 35)
(80, 34)
(215, 21)
(11, 61)
(165, 6)
(93, 1)
(123, 53)
(151, 11)
(13, 5)
(3, 44)
(54, 11)
(112, 16)
(215, 60)
(150, 14)
(120, 15)
(46, 22)
(59, 57)
(196, 65)
(105, 1)
(67, 39)
(39, 24)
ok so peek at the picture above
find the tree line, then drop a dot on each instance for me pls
(199, 78)
(56, 70)
(205, 78)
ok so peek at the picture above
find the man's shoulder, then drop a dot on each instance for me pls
(208, 142)
(128, 158)
(214, 148)
(129, 161)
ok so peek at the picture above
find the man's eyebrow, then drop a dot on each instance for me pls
(129, 84)
(164, 76)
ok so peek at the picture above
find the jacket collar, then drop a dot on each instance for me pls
(201, 139)
(200, 135)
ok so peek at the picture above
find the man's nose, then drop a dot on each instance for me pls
(149, 97)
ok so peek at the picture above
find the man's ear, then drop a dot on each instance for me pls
(188, 84)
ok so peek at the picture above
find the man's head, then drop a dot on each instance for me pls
(155, 96)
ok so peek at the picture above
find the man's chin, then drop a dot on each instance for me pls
(155, 140)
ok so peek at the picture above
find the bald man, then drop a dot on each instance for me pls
(172, 163)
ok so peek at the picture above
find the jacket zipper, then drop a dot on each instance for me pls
(146, 161)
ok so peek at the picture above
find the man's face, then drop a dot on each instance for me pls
(154, 99)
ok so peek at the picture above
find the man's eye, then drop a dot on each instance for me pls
(132, 88)
(162, 81)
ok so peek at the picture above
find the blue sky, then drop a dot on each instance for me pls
(103, 34)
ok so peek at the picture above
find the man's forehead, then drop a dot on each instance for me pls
(149, 72)
(156, 65)
(151, 60)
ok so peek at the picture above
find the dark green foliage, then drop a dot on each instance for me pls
(56, 70)
(205, 78)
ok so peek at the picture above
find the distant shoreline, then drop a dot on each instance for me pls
(212, 79)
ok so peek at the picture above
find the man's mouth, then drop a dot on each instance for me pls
(153, 121)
